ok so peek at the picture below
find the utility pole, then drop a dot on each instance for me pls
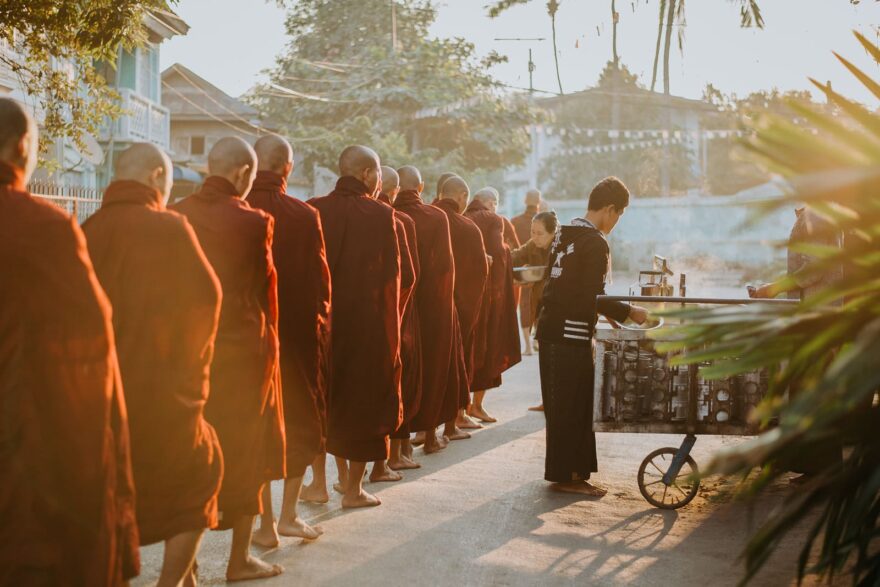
(532, 66)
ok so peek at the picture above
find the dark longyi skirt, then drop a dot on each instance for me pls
(567, 389)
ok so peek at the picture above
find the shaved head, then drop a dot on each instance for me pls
(233, 159)
(361, 163)
(147, 164)
(410, 178)
(443, 179)
(19, 137)
(452, 186)
(274, 154)
(533, 197)
(489, 196)
(390, 180)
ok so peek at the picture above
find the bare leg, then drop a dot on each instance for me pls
(453, 432)
(180, 554)
(399, 461)
(433, 443)
(317, 491)
(383, 473)
(242, 564)
(527, 336)
(291, 524)
(267, 535)
(476, 410)
(355, 496)
(342, 479)
(465, 422)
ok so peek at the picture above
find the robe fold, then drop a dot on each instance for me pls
(436, 307)
(522, 226)
(364, 403)
(304, 315)
(511, 239)
(166, 304)
(410, 336)
(497, 335)
(66, 489)
(245, 403)
(471, 277)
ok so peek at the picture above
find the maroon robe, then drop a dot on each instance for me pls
(66, 489)
(410, 334)
(303, 317)
(497, 337)
(436, 307)
(364, 405)
(522, 226)
(166, 304)
(471, 277)
(245, 405)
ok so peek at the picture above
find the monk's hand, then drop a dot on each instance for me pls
(638, 314)
(768, 290)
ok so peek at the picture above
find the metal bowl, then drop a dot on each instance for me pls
(528, 274)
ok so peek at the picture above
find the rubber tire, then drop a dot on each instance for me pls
(641, 479)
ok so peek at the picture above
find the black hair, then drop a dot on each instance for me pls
(548, 219)
(609, 192)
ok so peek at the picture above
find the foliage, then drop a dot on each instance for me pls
(571, 171)
(825, 347)
(729, 166)
(425, 101)
(52, 47)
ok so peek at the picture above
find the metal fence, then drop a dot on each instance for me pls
(79, 202)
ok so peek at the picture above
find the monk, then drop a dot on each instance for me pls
(436, 307)
(245, 405)
(303, 331)
(497, 337)
(522, 225)
(401, 456)
(364, 405)
(66, 494)
(166, 304)
(471, 276)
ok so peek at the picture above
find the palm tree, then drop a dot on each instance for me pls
(657, 48)
(828, 344)
(552, 8)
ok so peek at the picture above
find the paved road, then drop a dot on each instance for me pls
(480, 514)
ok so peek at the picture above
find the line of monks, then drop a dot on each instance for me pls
(159, 367)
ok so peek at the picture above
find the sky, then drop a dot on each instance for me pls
(232, 42)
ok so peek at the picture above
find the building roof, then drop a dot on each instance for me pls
(191, 97)
(164, 23)
(630, 95)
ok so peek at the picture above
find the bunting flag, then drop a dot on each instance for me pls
(628, 146)
(642, 133)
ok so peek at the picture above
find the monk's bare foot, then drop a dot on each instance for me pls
(465, 422)
(481, 415)
(297, 528)
(191, 579)
(382, 473)
(363, 500)
(266, 536)
(539, 408)
(314, 494)
(433, 444)
(338, 487)
(527, 352)
(403, 464)
(456, 434)
(419, 440)
(252, 568)
(580, 487)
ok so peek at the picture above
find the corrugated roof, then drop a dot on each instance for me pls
(191, 97)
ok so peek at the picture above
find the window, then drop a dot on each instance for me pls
(197, 145)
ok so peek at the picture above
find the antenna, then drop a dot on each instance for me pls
(532, 66)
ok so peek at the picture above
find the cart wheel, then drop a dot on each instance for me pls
(669, 497)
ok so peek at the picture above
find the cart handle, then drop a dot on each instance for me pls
(681, 300)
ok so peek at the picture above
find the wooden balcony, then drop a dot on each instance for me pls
(143, 121)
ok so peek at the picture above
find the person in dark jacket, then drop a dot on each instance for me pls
(579, 267)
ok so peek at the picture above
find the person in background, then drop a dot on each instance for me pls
(581, 261)
(534, 253)
(801, 283)
(522, 224)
